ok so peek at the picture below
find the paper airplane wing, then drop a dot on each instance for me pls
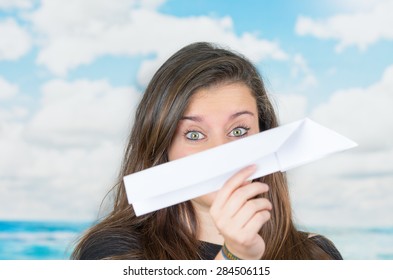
(277, 149)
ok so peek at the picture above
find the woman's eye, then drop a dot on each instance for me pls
(238, 131)
(194, 135)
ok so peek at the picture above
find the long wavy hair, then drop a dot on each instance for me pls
(171, 233)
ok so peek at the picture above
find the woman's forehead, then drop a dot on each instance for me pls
(222, 98)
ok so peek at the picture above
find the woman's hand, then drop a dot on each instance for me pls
(239, 216)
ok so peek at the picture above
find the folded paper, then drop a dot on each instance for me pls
(277, 149)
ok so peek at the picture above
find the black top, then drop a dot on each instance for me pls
(115, 245)
(209, 250)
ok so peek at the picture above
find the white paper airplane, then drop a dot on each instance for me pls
(277, 149)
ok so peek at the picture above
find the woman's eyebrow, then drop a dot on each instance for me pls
(245, 112)
(192, 118)
(231, 117)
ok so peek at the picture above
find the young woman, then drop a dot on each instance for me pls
(201, 97)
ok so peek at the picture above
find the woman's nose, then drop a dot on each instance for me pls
(217, 141)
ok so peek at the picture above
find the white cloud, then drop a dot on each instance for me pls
(77, 113)
(7, 89)
(362, 114)
(149, 4)
(15, 41)
(9, 4)
(360, 28)
(46, 183)
(290, 107)
(291, 87)
(178, 32)
(73, 33)
(13, 113)
(355, 186)
(356, 5)
(60, 164)
(347, 189)
(301, 68)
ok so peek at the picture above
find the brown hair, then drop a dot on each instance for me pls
(171, 233)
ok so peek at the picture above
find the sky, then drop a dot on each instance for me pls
(72, 73)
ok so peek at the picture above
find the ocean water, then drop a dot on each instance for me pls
(20, 240)
(373, 243)
(55, 240)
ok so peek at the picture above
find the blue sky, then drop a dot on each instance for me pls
(72, 72)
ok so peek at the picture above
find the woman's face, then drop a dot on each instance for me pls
(215, 115)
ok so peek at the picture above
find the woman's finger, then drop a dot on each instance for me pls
(256, 222)
(248, 211)
(230, 186)
(241, 195)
